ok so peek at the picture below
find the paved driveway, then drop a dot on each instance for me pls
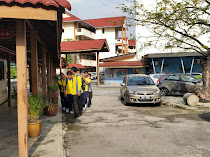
(110, 129)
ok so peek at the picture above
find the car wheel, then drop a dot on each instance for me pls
(164, 91)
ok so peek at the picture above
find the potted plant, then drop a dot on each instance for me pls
(34, 108)
(52, 108)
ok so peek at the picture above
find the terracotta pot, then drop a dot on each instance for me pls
(55, 100)
(34, 129)
(51, 110)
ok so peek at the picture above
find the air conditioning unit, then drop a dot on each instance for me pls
(197, 61)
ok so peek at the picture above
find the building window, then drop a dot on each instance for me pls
(88, 56)
(1, 70)
(103, 30)
(83, 56)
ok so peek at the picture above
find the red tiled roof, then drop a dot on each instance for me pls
(55, 3)
(68, 19)
(78, 66)
(107, 22)
(132, 42)
(122, 64)
(83, 45)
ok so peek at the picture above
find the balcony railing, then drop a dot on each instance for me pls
(119, 41)
(86, 33)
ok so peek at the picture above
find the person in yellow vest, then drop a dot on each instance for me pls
(76, 92)
(60, 83)
(86, 90)
(68, 93)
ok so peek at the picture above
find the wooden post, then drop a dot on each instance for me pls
(34, 62)
(75, 59)
(9, 79)
(22, 109)
(122, 40)
(44, 81)
(48, 70)
(98, 77)
(52, 71)
(60, 64)
(67, 64)
(126, 48)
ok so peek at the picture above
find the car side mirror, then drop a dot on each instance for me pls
(122, 84)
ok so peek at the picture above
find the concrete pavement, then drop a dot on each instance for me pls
(110, 129)
(48, 144)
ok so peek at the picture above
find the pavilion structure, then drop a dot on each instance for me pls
(32, 37)
(86, 46)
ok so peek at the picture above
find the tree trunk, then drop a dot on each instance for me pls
(191, 99)
(204, 91)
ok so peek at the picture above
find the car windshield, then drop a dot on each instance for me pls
(139, 80)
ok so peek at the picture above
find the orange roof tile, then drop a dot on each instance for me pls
(83, 45)
(107, 22)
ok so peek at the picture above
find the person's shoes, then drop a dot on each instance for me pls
(64, 108)
(67, 110)
(84, 109)
(71, 112)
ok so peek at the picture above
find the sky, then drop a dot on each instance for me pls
(90, 9)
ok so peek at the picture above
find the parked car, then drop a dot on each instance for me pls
(155, 77)
(173, 84)
(93, 75)
(196, 75)
(139, 88)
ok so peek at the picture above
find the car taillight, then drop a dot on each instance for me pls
(158, 82)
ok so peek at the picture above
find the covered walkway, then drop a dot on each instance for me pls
(30, 36)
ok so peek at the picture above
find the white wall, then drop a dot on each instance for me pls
(68, 31)
(109, 35)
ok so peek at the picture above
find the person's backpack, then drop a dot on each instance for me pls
(83, 84)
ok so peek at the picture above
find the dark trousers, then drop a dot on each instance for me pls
(77, 105)
(90, 95)
(80, 98)
(62, 99)
(69, 102)
(85, 96)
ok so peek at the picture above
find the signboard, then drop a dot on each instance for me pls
(5, 34)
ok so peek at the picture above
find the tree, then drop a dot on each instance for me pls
(183, 24)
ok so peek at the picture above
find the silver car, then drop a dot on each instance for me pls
(139, 89)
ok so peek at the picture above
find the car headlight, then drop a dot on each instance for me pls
(157, 92)
(131, 92)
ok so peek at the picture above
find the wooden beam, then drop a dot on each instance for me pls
(22, 109)
(9, 79)
(98, 77)
(126, 48)
(34, 62)
(67, 64)
(61, 64)
(44, 81)
(122, 40)
(18, 12)
(48, 69)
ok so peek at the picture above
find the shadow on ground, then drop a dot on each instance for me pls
(205, 116)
